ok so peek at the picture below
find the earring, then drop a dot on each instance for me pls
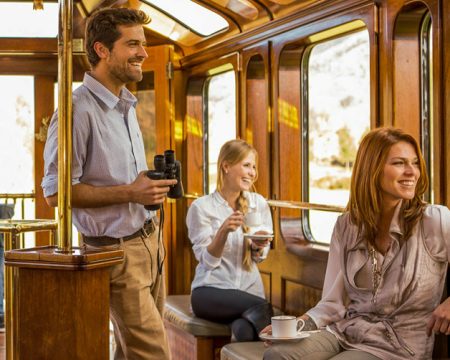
(226, 171)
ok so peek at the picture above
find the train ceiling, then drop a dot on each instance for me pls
(192, 25)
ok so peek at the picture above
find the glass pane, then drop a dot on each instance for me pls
(33, 23)
(193, 15)
(17, 144)
(243, 8)
(145, 111)
(221, 126)
(338, 76)
(75, 85)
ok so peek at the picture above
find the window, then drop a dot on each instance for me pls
(192, 15)
(17, 144)
(220, 123)
(243, 8)
(146, 114)
(75, 85)
(44, 22)
(336, 103)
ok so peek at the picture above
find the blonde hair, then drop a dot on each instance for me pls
(365, 203)
(233, 152)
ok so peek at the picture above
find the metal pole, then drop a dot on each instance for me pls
(65, 126)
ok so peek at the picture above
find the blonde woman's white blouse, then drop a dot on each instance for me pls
(205, 216)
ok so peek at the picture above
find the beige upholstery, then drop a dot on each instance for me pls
(178, 312)
(243, 351)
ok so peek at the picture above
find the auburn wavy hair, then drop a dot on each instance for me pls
(365, 203)
(233, 152)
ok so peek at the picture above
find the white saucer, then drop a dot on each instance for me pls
(259, 236)
(299, 336)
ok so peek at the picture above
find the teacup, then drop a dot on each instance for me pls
(253, 219)
(286, 326)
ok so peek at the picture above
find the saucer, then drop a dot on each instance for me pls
(299, 336)
(259, 236)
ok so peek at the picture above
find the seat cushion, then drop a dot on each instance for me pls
(243, 351)
(178, 312)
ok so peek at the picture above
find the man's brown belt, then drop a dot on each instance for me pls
(145, 231)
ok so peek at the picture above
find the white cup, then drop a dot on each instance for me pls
(253, 219)
(286, 326)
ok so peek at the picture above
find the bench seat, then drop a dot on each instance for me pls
(178, 312)
(243, 351)
(192, 338)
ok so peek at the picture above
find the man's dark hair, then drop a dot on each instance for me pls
(102, 26)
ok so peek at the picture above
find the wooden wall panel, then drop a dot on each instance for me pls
(444, 152)
(267, 282)
(158, 58)
(257, 113)
(298, 297)
(289, 125)
(406, 81)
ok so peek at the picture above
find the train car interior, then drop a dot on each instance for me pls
(302, 81)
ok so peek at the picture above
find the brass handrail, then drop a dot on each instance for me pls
(15, 197)
(192, 196)
(304, 205)
(12, 230)
(288, 204)
(18, 196)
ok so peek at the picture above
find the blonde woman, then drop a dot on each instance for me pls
(387, 264)
(227, 287)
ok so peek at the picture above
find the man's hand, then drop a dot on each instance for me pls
(440, 319)
(146, 191)
(141, 191)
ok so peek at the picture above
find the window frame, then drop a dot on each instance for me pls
(296, 40)
(305, 61)
(197, 79)
(223, 70)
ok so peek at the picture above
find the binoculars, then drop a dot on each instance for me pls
(166, 167)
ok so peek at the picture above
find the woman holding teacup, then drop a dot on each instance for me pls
(387, 263)
(227, 287)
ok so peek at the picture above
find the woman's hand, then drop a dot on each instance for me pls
(309, 324)
(258, 244)
(267, 331)
(440, 319)
(233, 222)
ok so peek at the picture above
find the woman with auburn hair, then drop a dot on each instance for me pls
(387, 263)
(227, 287)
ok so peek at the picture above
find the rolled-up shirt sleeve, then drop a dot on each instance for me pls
(332, 306)
(80, 135)
(50, 180)
(201, 235)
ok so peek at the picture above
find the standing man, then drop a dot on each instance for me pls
(109, 185)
